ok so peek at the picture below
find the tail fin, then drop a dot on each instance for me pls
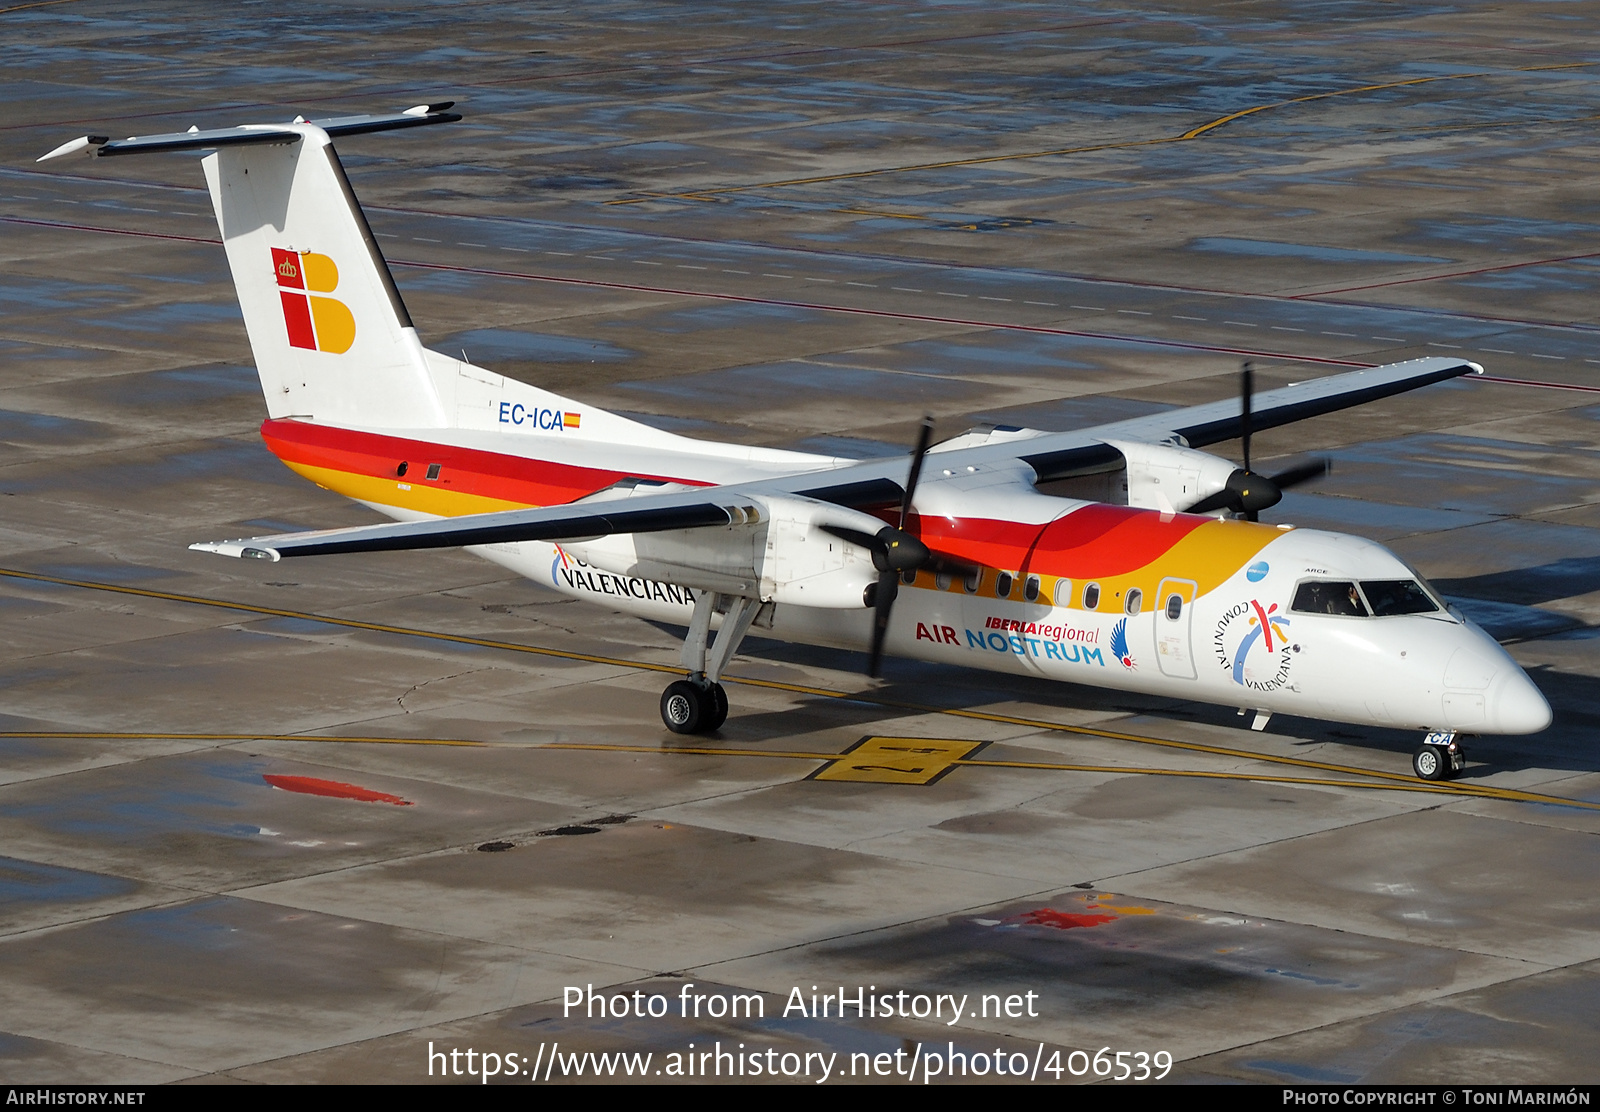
(331, 336)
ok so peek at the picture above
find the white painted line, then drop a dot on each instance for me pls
(863, 285)
(1346, 335)
(1007, 300)
(464, 243)
(1091, 308)
(905, 289)
(518, 250)
(1241, 323)
(736, 272)
(1281, 328)
(1454, 347)
(380, 235)
(419, 239)
(1498, 351)
(609, 259)
(1134, 312)
(689, 266)
(568, 254)
(764, 274)
(645, 262)
(1390, 339)
(827, 280)
(1592, 360)
(1047, 304)
(1177, 316)
(1536, 355)
(941, 293)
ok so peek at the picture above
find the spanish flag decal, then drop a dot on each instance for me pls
(570, 420)
(314, 323)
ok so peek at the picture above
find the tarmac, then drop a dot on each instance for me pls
(802, 225)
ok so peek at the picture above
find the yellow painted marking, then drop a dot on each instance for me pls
(147, 736)
(1192, 133)
(1390, 780)
(420, 494)
(35, 4)
(897, 760)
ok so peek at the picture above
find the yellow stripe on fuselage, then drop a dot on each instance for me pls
(419, 497)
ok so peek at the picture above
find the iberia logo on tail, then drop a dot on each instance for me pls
(314, 323)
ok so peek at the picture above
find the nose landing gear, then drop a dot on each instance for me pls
(1440, 758)
(699, 705)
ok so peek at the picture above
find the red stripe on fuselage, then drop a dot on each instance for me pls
(527, 482)
(1094, 540)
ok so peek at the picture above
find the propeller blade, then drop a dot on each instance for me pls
(1247, 388)
(1302, 473)
(923, 437)
(888, 589)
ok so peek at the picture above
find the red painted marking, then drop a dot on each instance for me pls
(526, 482)
(1266, 626)
(1540, 385)
(297, 318)
(1452, 274)
(1061, 920)
(310, 785)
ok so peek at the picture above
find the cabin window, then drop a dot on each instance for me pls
(1134, 602)
(1337, 597)
(1174, 607)
(1397, 596)
(433, 470)
(1030, 589)
(909, 576)
(973, 580)
(941, 580)
(402, 469)
(1091, 597)
(1002, 584)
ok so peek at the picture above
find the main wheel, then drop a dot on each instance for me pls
(686, 707)
(1431, 763)
(717, 700)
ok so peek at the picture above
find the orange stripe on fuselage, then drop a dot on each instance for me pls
(1118, 547)
(364, 465)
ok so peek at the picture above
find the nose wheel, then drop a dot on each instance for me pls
(1440, 758)
(694, 707)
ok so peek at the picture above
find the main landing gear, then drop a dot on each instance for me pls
(699, 705)
(1440, 758)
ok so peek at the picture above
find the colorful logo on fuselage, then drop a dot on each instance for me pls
(1119, 643)
(314, 323)
(1252, 643)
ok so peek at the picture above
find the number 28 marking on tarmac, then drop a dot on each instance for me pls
(897, 760)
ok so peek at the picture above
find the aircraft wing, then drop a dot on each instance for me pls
(650, 513)
(869, 483)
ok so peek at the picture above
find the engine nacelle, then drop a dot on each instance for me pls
(1171, 478)
(776, 550)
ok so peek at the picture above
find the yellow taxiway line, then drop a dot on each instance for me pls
(1192, 133)
(1394, 780)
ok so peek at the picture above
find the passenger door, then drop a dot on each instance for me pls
(1174, 617)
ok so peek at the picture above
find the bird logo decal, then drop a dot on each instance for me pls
(1119, 643)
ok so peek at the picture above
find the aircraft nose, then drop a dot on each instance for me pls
(1519, 706)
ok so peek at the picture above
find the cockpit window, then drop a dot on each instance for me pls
(1336, 597)
(1397, 596)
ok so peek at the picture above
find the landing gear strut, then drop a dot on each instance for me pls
(699, 705)
(1440, 758)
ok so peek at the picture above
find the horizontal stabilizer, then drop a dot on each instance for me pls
(252, 134)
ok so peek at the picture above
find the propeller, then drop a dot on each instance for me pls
(894, 551)
(1246, 492)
